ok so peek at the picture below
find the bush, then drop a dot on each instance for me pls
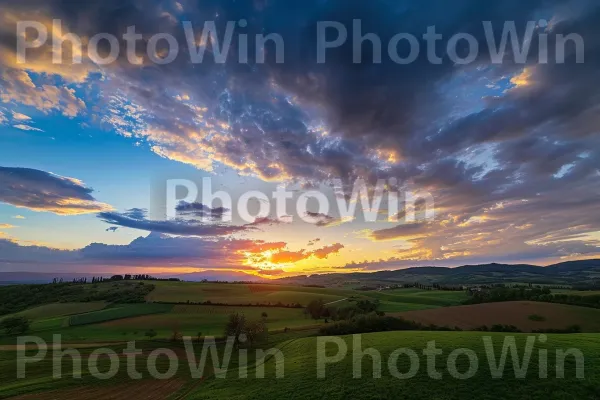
(254, 331)
(369, 323)
(151, 333)
(499, 328)
(14, 325)
(570, 329)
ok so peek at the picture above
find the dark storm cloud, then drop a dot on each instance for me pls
(173, 227)
(43, 191)
(202, 211)
(136, 213)
(320, 219)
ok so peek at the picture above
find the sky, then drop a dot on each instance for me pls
(508, 152)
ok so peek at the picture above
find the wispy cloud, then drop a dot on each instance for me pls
(20, 117)
(27, 128)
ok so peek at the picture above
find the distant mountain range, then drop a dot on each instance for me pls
(571, 272)
(566, 273)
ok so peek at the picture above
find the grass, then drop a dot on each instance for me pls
(40, 384)
(131, 322)
(49, 311)
(300, 372)
(56, 315)
(241, 293)
(577, 292)
(118, 312)
(49, 323)
(301, 382)
(210, 320)
(396, 300)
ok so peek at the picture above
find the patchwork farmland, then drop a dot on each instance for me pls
(174, 309)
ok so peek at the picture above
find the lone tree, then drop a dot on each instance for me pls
(316, 308)
(235, 326)
(14, 325)
(243, 330)
(176, 336)
(256, 331)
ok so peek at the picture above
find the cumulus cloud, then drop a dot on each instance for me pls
(44, 191)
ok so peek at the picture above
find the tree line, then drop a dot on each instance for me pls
(14, 299)
(542, 294)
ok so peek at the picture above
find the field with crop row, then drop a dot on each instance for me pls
(118, 312)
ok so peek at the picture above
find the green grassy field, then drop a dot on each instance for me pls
(118, 312)
(241, 293)
(300, 366)
(209, 320)
(132, 321)
(391, 300)
(61, 310)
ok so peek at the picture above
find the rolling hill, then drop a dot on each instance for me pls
(572, 272)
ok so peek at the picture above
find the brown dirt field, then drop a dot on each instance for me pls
(148, 390)
(558, 316)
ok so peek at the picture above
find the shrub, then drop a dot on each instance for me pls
(14, 325)
(369, 323)
(150, 333)
(570, 329)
